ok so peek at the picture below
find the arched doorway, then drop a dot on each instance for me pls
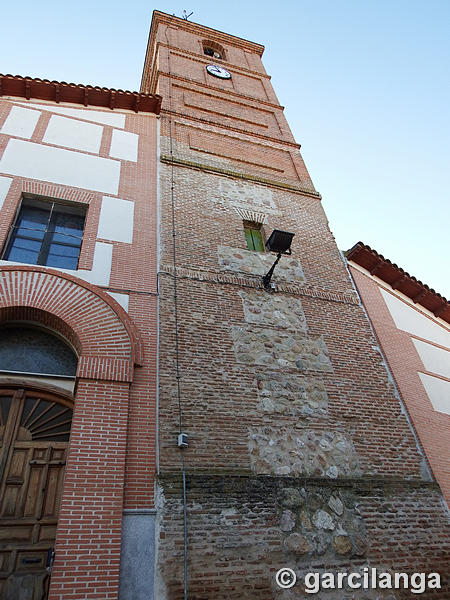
(107, 346)
(35, 423)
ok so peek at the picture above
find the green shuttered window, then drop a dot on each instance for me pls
(254, 237)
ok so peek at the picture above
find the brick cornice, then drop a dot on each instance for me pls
(190, 164)
(255, 282)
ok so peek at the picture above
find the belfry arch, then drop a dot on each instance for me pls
(108, 347)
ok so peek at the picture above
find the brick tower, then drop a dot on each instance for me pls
(300, 453)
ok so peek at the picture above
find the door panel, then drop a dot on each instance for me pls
(34, 429)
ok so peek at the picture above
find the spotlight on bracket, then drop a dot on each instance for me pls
(279, 242)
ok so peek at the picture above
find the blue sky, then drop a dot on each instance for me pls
(365, 85)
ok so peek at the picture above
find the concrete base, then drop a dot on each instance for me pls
(137, 555)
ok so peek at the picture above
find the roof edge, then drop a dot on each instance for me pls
(420, 293)
(86, 95)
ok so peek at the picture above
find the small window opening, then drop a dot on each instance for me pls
(213, 49)
(254, 236)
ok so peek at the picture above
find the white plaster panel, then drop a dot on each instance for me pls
(438, 391)
(124, 145)
(116, 220)
(101, 267)
(61, 166)
(5, 184)
(72, 133)
(122, 299)
(434, 359)
(107, 118)
(410, 320)
(21, 122)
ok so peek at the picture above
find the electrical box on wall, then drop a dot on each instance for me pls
(182, 440)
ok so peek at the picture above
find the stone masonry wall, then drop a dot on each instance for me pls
(242, 530)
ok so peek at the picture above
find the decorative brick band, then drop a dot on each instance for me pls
(190, 164)
(255, 282)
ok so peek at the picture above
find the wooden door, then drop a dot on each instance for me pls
(34, 434)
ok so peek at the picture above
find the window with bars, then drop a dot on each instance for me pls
(48, 233)
(254, 236)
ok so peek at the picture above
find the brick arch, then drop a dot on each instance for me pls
(102, 333)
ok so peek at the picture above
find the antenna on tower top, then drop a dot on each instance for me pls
(186, 16)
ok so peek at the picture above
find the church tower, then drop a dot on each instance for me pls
(299, 453)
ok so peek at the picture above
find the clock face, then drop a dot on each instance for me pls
(218, 72)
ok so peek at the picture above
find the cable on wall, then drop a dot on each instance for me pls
(175, 300)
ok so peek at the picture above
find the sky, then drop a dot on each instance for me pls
(365, 84)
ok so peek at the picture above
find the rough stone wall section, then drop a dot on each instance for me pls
(270, 347)
(290, 394)
(244, 195)
(243, 529)
(258, 263)
(281, 311)
(297, 453)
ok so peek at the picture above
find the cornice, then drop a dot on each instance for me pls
(190, 164)
(215, 476)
